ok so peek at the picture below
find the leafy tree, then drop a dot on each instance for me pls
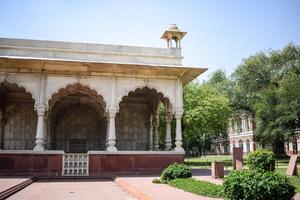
(267, 85)
(219, 80)
(205, 116)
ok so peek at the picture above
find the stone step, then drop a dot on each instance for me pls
(12, 190)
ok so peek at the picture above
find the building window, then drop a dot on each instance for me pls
(239, 126)
(241, 144)
(248, 146)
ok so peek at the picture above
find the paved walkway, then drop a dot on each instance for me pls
(144, 189)
(6, 183)
(75, 190)
(124, 188)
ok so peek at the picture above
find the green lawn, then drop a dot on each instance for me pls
(205, 161)
(198, 187)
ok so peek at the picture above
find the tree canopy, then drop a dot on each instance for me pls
(267, 85)
(205, 116)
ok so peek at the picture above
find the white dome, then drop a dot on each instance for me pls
(173, 27)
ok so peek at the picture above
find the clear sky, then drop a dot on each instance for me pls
(220, 33)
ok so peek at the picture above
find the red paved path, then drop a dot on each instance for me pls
(75, 190)
(146, 190)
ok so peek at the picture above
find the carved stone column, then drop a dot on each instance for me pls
(178, 138)
(168, 143)
(112, 131)
(156, 135)
(41, 111)
(178, 115)
(150, 144)
(39, 138)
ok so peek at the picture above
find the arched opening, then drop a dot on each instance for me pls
(241, 144)
(18, 119)
(138, 120)
(77, 120)
(248, 146)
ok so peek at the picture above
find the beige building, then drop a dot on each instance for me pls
(240, 134)
(240, 131)
(97, 100)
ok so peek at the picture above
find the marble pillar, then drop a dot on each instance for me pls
(168, 142)
(178, 137)
(39, 138)
(107, 131)
(112, 131)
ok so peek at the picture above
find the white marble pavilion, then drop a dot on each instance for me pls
(64, 97)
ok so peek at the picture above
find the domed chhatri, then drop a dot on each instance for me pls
(173, 33)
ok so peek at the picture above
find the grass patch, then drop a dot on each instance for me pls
(295, 180)
(205, 161)
(198, 187)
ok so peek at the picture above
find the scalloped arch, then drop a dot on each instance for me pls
(159, 91)
(66, 83)
(73, 89)
(21, 85)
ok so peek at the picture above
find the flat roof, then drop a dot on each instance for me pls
(54, 56)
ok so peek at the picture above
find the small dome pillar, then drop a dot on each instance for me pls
(173, 33)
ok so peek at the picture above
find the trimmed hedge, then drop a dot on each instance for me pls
(261, 160)
(175, 171)
(256, 185)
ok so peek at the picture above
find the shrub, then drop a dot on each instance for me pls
(176, 171)
(156, 181)
(256, 185)
(261, 160)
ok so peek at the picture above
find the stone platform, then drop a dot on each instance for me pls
(101, 163)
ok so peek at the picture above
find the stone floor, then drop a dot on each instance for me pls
(75, 190)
